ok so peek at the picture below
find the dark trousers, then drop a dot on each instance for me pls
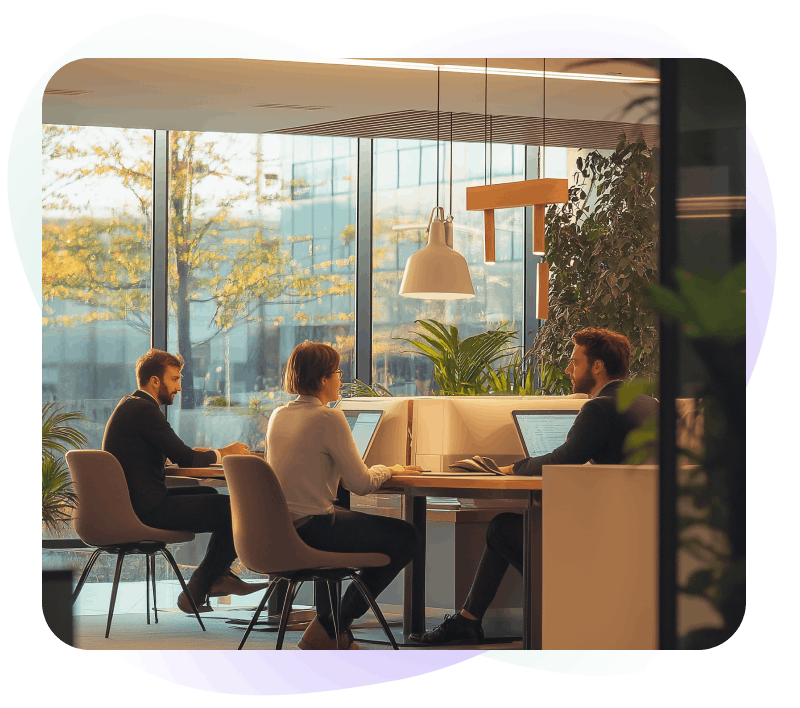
(346, 531)
(503, 548)
(200, 510)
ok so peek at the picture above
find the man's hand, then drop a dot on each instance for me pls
(509, 469)
(236, 448)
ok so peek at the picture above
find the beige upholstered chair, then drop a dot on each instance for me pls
(105, 519)
(267, 542)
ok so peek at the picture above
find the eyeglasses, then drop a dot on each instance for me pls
(338, 371)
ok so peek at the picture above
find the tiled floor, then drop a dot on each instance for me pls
(224, 629)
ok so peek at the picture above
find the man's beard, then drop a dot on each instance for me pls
(163, 396)
(585, 384)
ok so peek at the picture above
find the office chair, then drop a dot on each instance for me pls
(105, 519)
(267, 543)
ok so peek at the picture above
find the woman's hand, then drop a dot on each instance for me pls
(509, 469)
(405, 469)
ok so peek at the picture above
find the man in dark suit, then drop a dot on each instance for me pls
(600, 361)
(139, 436)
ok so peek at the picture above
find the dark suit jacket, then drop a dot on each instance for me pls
(598, 433)
(139, 436)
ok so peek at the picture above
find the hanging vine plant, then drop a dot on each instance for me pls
(602, 247)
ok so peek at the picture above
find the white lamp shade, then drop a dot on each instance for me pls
(436, 271)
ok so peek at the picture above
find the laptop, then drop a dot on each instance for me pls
(363, 425)
(542, 431)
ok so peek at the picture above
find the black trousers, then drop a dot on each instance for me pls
(200, 510)
(346, 531)
(503, 548)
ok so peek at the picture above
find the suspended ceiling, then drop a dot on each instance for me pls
(304, 97)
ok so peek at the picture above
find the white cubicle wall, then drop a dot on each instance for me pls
(451, 428)
(444, 429)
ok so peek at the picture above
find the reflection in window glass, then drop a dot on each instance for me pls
(256, 267)
(400, 218)
(96, 202)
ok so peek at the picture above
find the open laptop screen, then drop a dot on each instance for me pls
(543, 431)
(363, 425)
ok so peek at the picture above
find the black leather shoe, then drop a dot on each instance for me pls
(455, 629)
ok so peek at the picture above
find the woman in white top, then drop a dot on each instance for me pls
(311, 449)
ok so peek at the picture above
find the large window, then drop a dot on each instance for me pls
(404, 194)
(96, 202)
(261, 257)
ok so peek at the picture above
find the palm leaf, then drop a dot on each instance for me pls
(58, 499)
(57, 435)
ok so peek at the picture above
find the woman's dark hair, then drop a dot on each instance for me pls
(155, 363)
(308, 364)
(612, 348)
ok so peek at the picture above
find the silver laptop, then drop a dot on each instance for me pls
(542, 431)
(363, 425)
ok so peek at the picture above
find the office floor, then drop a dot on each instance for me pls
(224, 630)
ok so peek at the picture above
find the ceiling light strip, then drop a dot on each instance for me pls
(497, 71)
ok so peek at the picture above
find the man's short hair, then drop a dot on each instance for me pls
(155, 363)
(308, 364)
(612, 348)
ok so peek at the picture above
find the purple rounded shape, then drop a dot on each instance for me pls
(289, 673)
(761, 252)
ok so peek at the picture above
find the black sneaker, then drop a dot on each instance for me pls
(455, 629)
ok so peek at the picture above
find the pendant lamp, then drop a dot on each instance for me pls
(437, 271)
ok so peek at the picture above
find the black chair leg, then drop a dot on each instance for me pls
(287, 608)
(186, 592)
(377, 610)
(147, 584)
(267, 594)
(117, 573)
(332, 597)
(153, 579)
(85, 573)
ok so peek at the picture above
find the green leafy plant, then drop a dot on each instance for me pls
(58, 436)
(602, 247)
(461, 367)
(359, 388)
(553, 381)
(515, 378)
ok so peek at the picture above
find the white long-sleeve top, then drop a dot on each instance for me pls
(310, 447)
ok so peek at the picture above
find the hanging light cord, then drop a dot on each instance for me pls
(485, 102)
(544, 111)
(451, 163)
(437, 136)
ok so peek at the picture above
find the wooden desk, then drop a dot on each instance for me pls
(417, 488)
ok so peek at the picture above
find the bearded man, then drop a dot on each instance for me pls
(599, 363)
(139, 436)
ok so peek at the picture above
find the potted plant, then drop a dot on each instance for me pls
(464, 367)
(58, 498)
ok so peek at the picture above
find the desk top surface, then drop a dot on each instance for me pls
(456, 482)
(403, 482)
